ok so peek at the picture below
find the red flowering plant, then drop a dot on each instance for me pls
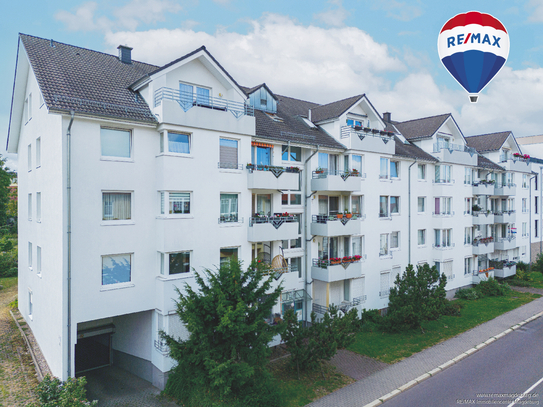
(346, 259)
(356, 257)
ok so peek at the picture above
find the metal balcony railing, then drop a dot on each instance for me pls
(230, 218)
(188, 100)
(160, 345)
(323, 219)
(483, 240)
(333, 261)
(348, 131)
(384, 293)
(453, 147)
(450, 213)
(276, 220)
(324, 173)
(275, 169)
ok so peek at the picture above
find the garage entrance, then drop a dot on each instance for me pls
(93, 348)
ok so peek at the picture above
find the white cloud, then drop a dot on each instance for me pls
(536, 10)
(129, 16)
(398, 10)
(333, 17)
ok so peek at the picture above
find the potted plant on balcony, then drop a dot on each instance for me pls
(346, 259)
(250, 166)
(348, 214)
(319, 170)
(476, 208)
(356, 257)
(339, 216)
(367, 129)
(355, 172)
(335, 260)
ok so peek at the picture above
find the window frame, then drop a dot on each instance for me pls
(29, 158)
(164, 265)
(130, 158)
(111, 222)
(398, 173)
(38, 260)
(288, 151)
(289, 194)
(38, 152)
(38, 207)
(119, 284)
(423, 168)
(421, 235)
(165, 143)
(164, 205)
(29, 207)
(423, 199)
(227, 166)
(391, 240)
(222, 218)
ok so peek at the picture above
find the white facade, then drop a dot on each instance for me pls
(194, 159)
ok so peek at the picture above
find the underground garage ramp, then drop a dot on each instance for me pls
(93, 348)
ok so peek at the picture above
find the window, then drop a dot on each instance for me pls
(177, 142)
(443, 206)
(116, 268)
(30, 308)
(261, 155)
(535, 182)
(443, 237)
(228, 155)
(524, 205)
(179, 203)
(116, 143)
(523, 250)
(394, 204)
(524, 229)
(421, 171)
(394, 169)
(116, 205)
(467, 235)
(524, 181)
(227, 254)
(421, 237)
(188, 97)
(467, 176)
(291, 153)
(467, 206)
(38, 259)
(28, 108)
(421, 204)
(292, 243)
(536, 209)
(30, 157)
(29, 206)
(295, 265)
(383, 168)
(467, 265)
(358, 244)
(383, 244)
(443, 174)
(396, 271)
(291, 199)
(229, 208)
(383, 206)
(395, 240)
(357, 205)
(38, 206)
(323, 161)
(30, 255)
(536, 228)
(38, 152)
(356, 163)
(178, 263)
(384, 284)
(353, 123)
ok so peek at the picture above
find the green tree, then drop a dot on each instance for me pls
(6, 176)
(52, 392)
(226, 353)
(537, 265)
(417, 296)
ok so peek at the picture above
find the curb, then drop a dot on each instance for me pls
(449, 363)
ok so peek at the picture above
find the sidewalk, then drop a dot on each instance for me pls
(390, 378)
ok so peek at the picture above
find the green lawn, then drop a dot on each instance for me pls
(537, 280)
(391, 348)
(8, 282)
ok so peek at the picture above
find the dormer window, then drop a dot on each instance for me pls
(261, 99)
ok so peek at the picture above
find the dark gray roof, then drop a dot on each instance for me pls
(485, 163)
(86, 81)
(412, 151)
(421, 128)
(292, 128)
(488, 142)
(333, 110)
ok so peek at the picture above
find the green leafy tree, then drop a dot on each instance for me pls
(537, 265)
(52, 392)
(417, 296)
(226, 353)
(6, 176)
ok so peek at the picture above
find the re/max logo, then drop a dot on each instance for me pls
(474, 38)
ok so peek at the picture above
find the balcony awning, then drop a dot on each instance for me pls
(292, 296)
(259, 144)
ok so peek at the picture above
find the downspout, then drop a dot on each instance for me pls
(530, 216)
(69, 210)
(306, 223)
(409, 212)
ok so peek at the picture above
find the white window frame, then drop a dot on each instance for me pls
(398, 173)
(164, 205)
(421, 238)
(115, 222)
(444, 202)
(448, 178)
(38, 207)
(421, 168)
(384, 251)
(228, 222)
(122, 284)
(385, 167)
(226, 168)
(447, 231)
(164, 265)
(165, 142)
(395, 248)
(29, 157)
(28, 108)
(131, 145)
(30, 255)
(288, 151)
(423, 204)
(38, 260)
(468, 265)
(289, 194)
(29, 204)
(30, 305)
(38, 152)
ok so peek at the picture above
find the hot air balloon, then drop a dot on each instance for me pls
(473, 47)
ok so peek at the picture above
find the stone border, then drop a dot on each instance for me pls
(449, 363)
(30, 350)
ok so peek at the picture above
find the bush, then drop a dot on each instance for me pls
(537, 265)
(519, 283)
(469, 294)
(52, 392)
(523, 266)
(491, 288)
(523, 275)
(453, 308)
(371, 320)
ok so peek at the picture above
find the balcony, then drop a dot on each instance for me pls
(336, 269)
(344, 306)
(505, 217)
(187, 109)
(503, 268)
(331, 225)
(506, 243)
(455, 153)
(327, 180)
(273, 177)
(483, 245)
(482, 275)
(271, 228)
(515, 163)
(483, 188)
(505, 189)
(483, 218)
(366, 139)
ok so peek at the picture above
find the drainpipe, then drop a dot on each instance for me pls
(306, 223)
(409, 212)
(530, 215)
(69, 210)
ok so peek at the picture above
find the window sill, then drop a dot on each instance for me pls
(185, 216)
(385, 256)
(385, 217)
(421, 213)
(230, 224)
(117, 159)
(31, 317)
(174, 277)
(421, 246)
(421, 180)
(180, 155)
(38, 166)
(117, 222)
(118, 286)
(230, 171)
(39, 275)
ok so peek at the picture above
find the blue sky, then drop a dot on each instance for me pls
(314, 50)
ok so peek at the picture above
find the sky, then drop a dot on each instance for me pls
(315, 50)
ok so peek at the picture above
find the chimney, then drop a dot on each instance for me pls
(125, 54)
(387, 117)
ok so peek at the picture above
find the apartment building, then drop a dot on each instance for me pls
(132, 175)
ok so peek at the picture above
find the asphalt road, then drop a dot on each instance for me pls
(494, 376)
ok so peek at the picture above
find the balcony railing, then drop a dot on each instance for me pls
(275, 169)
(500, 264)
(161, 346)
(276, 220)
(506, 185)
(384, 293)
(450, 213)
(323, 219)
(453, 147)
(230, 218)
(361, 132)
(504, 158)
(443, 181)
(323, 173)
(483, 240)
(188, 100)
(325, 263)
